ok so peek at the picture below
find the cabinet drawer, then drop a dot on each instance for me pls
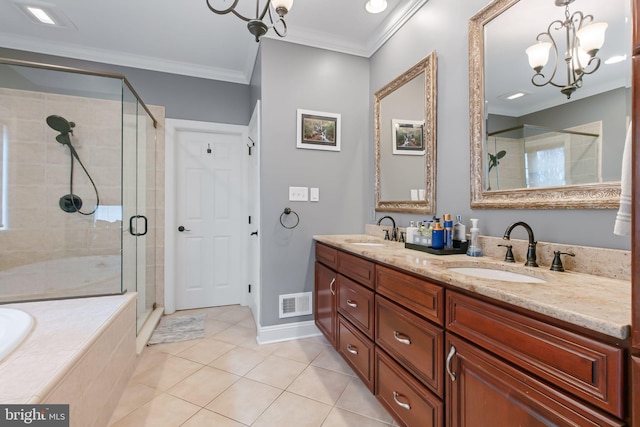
(355, 303)
(582, 366)
(410, 403)
(356, 268)
(421, 296)
(327, 255)
(415, 343)
(357, 350)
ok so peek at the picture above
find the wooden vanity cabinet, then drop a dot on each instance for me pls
(485, 391)
(324, 301)
(577, 365)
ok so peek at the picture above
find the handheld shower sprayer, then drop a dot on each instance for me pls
(70, 202)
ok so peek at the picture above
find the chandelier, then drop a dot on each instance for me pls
(583, 39)
(259, 25)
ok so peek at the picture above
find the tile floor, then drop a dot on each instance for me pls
(227, 380)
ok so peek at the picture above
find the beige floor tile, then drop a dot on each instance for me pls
(174, 347)
(276, 371)
(236, 335)
(206, 418)
(330, 359)
(244, 401)
(234, 315)
(357, 398)
(238, 360)
(320, 384)
(167, 374)
(150, 358)
(134, 396)
(162, 411)
(206, 351)
(213, 327)
(293, 410)
(341, 418)
(248, 323)
(300, 350)
(203, 386)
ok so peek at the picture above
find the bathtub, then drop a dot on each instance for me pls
(15, 325)
(81, 352)
(62, 278)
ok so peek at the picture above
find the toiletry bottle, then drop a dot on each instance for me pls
(411, 230)
(459, 230)
(437, 235)
(418, 237)
(474, 248)
(448, 232)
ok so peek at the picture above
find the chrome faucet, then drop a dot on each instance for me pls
(394, 230)
(531, 251)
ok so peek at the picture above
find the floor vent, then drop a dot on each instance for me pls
(295, 304)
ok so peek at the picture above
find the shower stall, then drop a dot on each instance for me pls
(78, 186)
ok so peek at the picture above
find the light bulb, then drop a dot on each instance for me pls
(376, 6)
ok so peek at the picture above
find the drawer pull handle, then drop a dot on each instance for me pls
(400, 404)
(351, 349)
(333, 281)
(352, 304)
(401, 338)
(452, 353)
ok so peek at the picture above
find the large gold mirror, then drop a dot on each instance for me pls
(542, 150)
(405, 141)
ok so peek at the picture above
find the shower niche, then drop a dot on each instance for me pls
(78, 185)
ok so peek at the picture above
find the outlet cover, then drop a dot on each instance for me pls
(298, 194)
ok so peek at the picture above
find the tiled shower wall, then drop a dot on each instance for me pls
(34, 227)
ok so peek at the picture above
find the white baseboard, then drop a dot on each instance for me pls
(287, 332)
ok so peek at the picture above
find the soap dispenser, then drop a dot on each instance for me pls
(474, 248)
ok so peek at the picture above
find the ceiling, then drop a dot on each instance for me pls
(184, 37)
(508, 35)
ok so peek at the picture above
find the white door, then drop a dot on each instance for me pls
(210, 218)
(253, 195)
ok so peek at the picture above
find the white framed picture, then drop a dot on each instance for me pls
(407, 137)
(317, 130)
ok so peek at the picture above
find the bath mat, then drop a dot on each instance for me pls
(179, 328)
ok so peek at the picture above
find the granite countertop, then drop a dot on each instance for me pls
(600, 304)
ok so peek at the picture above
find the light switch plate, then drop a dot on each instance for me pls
(315, 194)
(298, 194)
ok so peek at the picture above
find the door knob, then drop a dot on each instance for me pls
(181, 229)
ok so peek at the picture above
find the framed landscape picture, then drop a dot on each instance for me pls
(407, 137)
(318, 131)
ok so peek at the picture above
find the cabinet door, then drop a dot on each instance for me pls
(483, 391)
(324, 302)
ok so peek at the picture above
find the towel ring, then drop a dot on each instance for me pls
(288, 211)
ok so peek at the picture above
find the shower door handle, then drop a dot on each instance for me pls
(133, 233)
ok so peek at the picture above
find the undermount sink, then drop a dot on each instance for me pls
(493, 274)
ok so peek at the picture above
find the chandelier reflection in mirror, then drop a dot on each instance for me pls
(583, 39)
(263, 20)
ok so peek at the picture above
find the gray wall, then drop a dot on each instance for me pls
(295, 76)
(442, 27)
(187, 98)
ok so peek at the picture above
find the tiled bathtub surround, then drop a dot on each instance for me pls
(81, 352)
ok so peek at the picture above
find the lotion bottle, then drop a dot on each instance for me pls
(411, 231)
(459, 230)
(474, 248)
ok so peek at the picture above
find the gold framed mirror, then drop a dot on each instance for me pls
(494, 120)
(405, 141)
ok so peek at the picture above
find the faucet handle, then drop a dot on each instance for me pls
(556, 265)
(508, 257)
(386, 234)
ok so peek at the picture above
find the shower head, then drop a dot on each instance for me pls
(60, 124)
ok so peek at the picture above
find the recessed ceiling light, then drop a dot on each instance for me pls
(375, 6)
(41, 15)
(615, 59)
(515, 95)
(44, 15)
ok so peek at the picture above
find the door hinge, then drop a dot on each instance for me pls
(249, 287)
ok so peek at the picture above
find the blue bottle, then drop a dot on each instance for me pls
(437, 236)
